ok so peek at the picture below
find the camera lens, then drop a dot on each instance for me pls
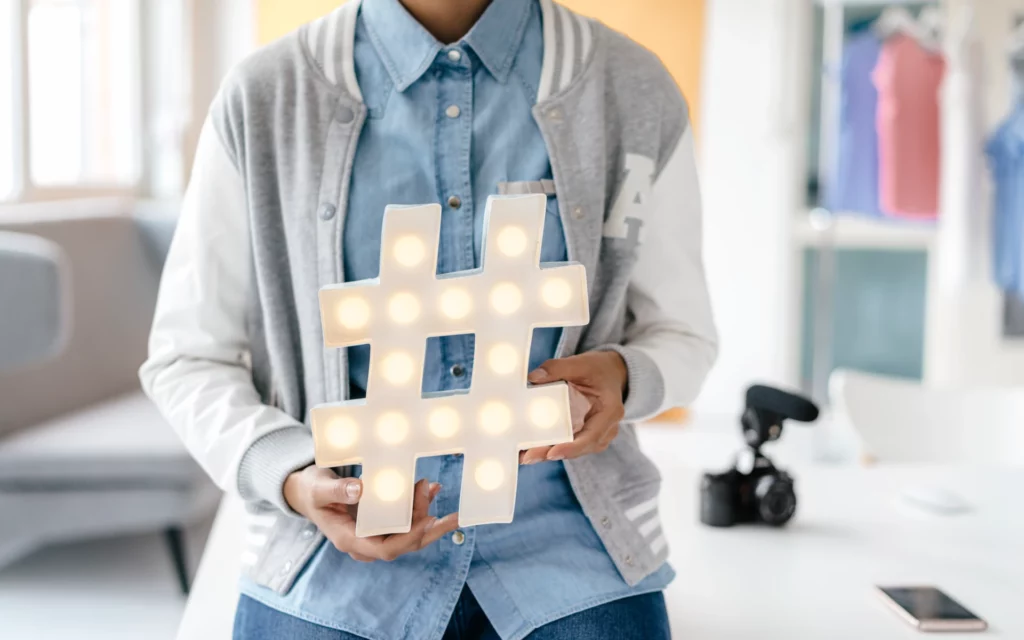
(776, 500)
(718, 500)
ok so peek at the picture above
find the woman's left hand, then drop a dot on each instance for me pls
(597, 384)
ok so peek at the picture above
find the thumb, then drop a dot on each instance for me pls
(337, 491)
(538, 375)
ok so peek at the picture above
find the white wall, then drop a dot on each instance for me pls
(753, 158)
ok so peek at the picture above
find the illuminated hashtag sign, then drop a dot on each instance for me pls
(501, 303)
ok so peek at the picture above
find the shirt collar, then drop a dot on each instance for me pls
(407, 49)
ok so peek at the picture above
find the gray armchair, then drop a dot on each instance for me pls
(33, 299)
(83, 453)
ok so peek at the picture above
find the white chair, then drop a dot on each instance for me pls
(903, 421)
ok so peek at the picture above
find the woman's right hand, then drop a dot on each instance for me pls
(331, 504)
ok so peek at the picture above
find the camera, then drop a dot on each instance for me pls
(760, 493)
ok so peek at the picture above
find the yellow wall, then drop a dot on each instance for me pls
(674, 29)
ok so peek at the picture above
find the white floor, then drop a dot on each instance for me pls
(113, 589)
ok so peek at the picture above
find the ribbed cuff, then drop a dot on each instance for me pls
(646, 387)
(269, 462)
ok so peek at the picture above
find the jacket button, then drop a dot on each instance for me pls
(327, 211)
(577, 213)
(346, 115)
(458, 370)
(458, 538)
(454, 202)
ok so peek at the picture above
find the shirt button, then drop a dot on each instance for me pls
(453, 111)
(628, 560)
(307, 533)
(287, 567)
(458, 370)
(346, 115)
(454, 55)
(458, 538)
(606, 523)
(577, 213)
(454, 202)
(555, 115)
(327, 211)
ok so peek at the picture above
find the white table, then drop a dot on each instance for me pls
(810, 580)
(814, 579)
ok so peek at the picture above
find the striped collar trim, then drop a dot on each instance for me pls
(568, 42)
(568, 45)
(331, 41)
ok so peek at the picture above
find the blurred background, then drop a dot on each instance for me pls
(863, 193)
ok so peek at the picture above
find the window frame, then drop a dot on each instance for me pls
(25, 190)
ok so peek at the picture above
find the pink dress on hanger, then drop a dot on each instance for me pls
(908, 78)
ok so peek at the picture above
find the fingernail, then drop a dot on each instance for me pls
(353, 489)
(433, 523)
(556, 458)
(537, 375)
(532, 461)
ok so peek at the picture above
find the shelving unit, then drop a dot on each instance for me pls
(836, 246)
(853, 231)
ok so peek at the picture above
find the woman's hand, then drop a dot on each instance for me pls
(599, 378)
(331, 504)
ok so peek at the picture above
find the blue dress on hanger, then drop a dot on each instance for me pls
(1006, 157)
(854, 185)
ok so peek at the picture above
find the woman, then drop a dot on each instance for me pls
(411, 102)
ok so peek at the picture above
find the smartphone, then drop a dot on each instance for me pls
(929, 609)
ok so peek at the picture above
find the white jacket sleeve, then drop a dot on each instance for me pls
(670, 342)
(197, 372)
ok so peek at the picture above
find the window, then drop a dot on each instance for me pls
(8, 147)
(77, 95)
(83, 88)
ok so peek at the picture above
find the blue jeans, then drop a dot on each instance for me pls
(640, 617)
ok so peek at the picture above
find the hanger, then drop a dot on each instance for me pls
(896, 21)
(931, 26)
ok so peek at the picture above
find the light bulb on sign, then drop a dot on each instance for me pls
(556, 293)
(502, 358)
(444, 422)
(489, 474)
(495, 418)
(404, 308)
(544, 412)
(506, 298)
(456, 303)
(502, 302)
(392, 427)
(512, 241)
(353, 313)
(398, 368)
(342, 433)
(409, 251)
(389, 485)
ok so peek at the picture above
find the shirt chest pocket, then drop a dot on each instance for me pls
(553, 246)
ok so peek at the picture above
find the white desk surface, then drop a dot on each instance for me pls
(812, 579)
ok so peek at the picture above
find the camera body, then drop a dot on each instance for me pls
(761, 493)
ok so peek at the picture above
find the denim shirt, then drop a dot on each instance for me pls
(448, 124)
